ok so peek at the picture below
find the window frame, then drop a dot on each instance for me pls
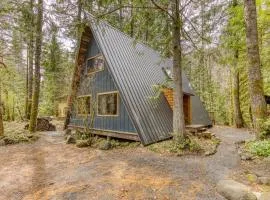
(91, 58)
(117, 103)
(82, 96)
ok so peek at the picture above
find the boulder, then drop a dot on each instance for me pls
(233, 190)
(70, 140)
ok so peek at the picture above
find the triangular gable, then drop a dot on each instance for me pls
(135, 69)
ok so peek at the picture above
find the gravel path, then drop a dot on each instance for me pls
(51, 169)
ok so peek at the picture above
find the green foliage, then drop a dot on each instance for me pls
(265, 129)
(171, 146)
(260, 148)
(57, 76)
(15, 138)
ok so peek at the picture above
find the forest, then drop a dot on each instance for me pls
(223, 46)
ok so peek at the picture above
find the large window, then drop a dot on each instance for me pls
(83, 105)
(108, 104)
(95, 64)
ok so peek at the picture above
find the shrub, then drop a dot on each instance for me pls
(260, 148)
(265, 133)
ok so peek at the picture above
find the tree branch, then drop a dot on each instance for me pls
(162, 9)
(125, 6)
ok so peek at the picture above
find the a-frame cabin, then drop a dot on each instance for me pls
(116, 78)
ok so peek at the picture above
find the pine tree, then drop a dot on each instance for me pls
(35, 98)
(258, 104)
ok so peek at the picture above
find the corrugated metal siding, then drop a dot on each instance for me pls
(198, 113)
(102, 82)
(139, 67)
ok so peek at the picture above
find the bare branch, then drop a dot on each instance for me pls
(125, 6)
(162, 9)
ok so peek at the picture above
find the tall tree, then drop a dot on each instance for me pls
(258, 104)
(238, 118)
(236, 28)
(77, 71)
(35, 98)
(178, 111)
(30, 62)
(2, 65)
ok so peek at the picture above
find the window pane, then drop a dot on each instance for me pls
(107, 104)
(95, 64)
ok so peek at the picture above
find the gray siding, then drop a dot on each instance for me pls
(102, 82)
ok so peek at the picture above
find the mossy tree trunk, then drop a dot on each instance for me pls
(77, 69)
(238, 118)
(35, 98)
(257, 100)
(1, 115)
(178, 111)
(31, 64)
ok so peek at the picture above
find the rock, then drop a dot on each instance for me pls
(83, 143)
(106, 146)
(265, 196)
(246, 156)
(70, 140)
(267, 159)
(2, 143)
(207, 135)
(211, 152)
(233, 190)
(264, 180)
(213, 135)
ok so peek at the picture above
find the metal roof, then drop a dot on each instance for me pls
(135, 69)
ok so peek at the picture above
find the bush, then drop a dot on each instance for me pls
(265, 133)
(260, 148)
(19, 138)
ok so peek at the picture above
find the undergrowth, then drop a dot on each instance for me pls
(259, 148)
(192, 145)
(18, 137)
(265, 129)
(88, 140)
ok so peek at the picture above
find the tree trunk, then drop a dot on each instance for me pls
(178, 111)
(238, 118)
(1, 115)
(31, 63)
(7, 108)
(35, 98)
(26, 84)
(257, 100)
(132, 20)
(77, 69)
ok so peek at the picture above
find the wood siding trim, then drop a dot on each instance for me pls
(110, 133)
(168, 93)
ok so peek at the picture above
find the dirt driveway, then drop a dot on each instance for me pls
(51, 169)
